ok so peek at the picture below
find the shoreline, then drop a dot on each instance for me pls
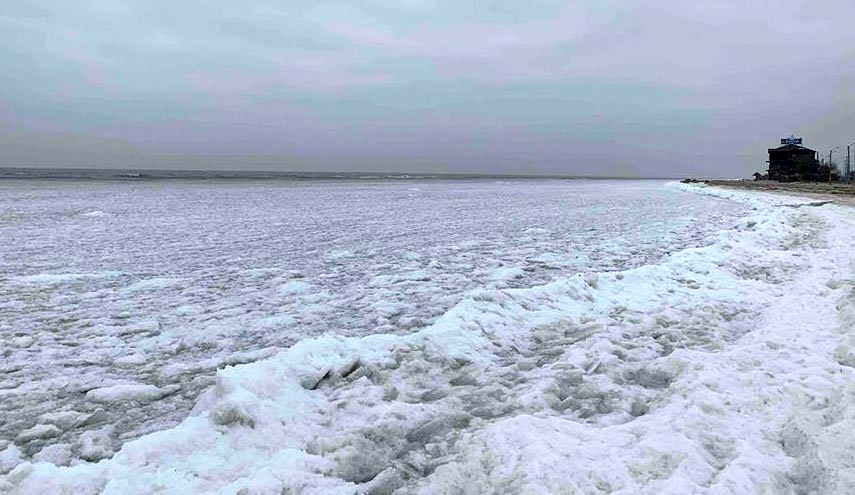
(837, 192)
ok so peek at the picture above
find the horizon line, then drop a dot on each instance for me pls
(344, 174)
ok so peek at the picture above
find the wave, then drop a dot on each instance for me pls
(675, 377)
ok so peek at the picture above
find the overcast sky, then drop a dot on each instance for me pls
(614, 87)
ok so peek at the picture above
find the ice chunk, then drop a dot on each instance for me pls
(131, 359)
(58, 454)
(23, 341)
(65, 419)
(38, 432)
(293, 287)
(152, 284)
(59, 278)
(95, 445)
(9, 458)
(506, 273)
(95, 213)
(124, 392)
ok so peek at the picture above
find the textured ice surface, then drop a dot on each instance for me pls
(719, 369)
(118, 301)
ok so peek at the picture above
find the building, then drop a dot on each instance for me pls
(792, 162)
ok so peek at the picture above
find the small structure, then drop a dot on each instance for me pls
(792, 162)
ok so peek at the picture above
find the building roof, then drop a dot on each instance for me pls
(791, 147)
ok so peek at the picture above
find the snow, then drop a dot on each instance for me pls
(722, 367)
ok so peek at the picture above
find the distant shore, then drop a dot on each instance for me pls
(840, 192)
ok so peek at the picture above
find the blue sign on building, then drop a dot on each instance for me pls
(791, 140)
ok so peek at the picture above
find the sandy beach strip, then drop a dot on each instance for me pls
(839, 192)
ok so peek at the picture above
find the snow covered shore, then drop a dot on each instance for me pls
(722, 369)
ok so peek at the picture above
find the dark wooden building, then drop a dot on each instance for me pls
(793, 162)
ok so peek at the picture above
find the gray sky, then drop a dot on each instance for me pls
(613, 87)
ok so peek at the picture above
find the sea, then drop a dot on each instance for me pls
(316, 313)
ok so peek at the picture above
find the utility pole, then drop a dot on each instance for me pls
(849, 162)
(830, 163)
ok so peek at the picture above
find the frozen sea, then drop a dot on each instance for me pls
(417, 335)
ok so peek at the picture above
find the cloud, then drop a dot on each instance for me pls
(472, 85)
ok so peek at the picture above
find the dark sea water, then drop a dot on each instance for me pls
(145, 174)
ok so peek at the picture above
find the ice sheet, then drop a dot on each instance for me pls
(176, 279)
(716, 369)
